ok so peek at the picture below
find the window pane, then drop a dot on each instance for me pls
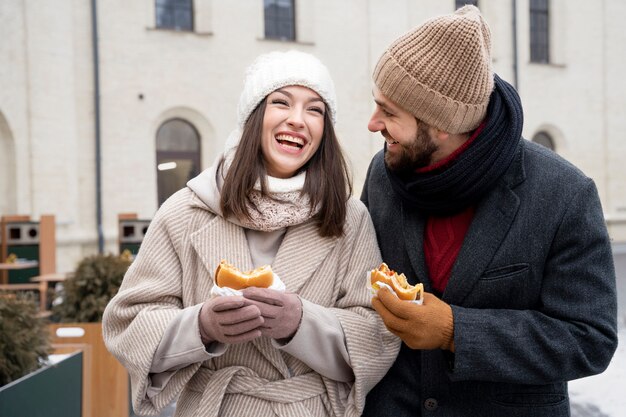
(174, 14)
(460, 3)
(182, 19)
(539, 31)
(177, 156)
(177, 135)
(539, 5)
(174, 175)
(164, 17)
(279, 19)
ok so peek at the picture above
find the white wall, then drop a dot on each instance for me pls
(47, 139)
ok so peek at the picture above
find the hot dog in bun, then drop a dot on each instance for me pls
(397, 282)
(227, 275)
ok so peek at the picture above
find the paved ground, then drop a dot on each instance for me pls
(602, 395)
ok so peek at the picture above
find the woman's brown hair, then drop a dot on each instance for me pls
(327, 182)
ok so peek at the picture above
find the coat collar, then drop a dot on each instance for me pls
(493, 218)
(300, 254)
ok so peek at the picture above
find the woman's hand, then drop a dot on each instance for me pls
(229, 320)
(281, 311)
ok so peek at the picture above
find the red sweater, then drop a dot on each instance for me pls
(443, 236)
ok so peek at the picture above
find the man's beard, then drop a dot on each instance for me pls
(414, 155)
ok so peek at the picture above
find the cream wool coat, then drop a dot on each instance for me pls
(174, 270)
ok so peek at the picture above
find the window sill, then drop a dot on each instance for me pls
(547, 64)
(182, 32)
(285, 41)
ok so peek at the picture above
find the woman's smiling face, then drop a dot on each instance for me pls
(293, 125)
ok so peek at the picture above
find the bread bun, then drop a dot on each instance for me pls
(227, 275)
(382, 274)
(397, 282)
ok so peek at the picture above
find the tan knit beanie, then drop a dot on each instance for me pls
(441, 71)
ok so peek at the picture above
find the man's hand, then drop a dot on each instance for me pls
(426, 326)
(281, 311)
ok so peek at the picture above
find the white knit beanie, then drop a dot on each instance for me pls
(273, 70)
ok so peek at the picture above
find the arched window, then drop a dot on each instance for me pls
(177, 156)
(544, 139)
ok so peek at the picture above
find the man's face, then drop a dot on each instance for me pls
(409, 143)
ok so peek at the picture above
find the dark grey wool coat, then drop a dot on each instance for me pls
(532, 293)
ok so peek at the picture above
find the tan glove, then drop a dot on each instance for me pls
(426, 326)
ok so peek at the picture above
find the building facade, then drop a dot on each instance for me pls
(93, 126)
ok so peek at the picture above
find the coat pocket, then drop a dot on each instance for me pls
(505, 271)
(536, 405)
(527, 400)
(508, 286)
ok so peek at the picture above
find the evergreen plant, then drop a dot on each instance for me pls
(85, 294)
(24, 337)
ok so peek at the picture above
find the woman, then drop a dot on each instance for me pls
(278, 195)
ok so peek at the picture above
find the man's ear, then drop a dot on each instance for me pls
(439, 134)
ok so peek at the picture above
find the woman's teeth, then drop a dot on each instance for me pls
(290, 141)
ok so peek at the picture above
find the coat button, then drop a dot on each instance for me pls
(431, 404)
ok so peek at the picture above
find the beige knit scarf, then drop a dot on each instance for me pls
(282, 206)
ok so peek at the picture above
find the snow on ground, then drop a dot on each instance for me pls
(603, 395)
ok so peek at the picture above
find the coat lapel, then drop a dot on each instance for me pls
(218, 240)
(488, 229)
(413, 229)
(300, 254)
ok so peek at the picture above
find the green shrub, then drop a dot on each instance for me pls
(85, 294)
(24, 337)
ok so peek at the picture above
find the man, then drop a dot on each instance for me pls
(508, 239)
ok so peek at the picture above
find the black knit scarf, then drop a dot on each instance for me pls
(475, 171)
